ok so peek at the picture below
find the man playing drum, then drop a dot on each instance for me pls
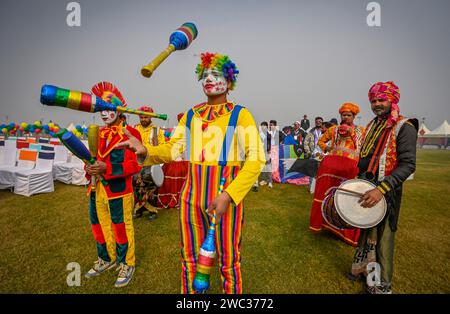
(387, 159)
(339, 165)
(144, 187)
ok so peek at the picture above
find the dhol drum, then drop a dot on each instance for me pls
(146, 184)
(342, 210)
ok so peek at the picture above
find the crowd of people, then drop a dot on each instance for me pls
(220, 161)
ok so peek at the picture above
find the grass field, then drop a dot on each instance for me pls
(40, 235)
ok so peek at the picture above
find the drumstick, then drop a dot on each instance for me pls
(351, 192)
(206, 255)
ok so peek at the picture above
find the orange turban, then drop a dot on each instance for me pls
(348, 106)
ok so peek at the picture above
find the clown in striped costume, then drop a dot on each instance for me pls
(222, 143)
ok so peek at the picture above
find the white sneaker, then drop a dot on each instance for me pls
(270, 185)
(262, 182)
(125, 274)
(99, 267)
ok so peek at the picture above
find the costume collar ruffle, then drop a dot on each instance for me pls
(209, 113)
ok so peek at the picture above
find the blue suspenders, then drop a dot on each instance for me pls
(228, 134)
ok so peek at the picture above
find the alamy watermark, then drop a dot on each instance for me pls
(73, 279)
(373, 274)
(74, 16)
(374, 17)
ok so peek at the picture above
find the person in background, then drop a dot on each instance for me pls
(266, 174)
(274, 151)
(299, 135)
(144, 188)
(311, 139)
(340, 164)
(305, 123)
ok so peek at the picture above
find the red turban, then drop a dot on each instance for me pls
(387, 91)
(348, 106)
(146, 109)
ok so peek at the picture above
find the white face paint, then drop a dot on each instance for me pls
(108, 117)
(213, 82)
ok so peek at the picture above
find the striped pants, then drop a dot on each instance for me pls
(200, 189)
(112, 226)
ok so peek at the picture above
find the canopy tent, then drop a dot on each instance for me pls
(439, 136)
(423, 129)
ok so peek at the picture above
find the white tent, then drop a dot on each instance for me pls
(423, 129)
(442, 130)
(439, 137)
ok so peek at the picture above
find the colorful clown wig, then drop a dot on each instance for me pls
(218, 62)
(387, 91)
(350, 107)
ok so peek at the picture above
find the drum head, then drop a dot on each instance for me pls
(157, 175)
(351, 211)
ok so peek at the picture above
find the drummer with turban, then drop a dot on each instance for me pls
(145, 189)
(341, 144)
(387, 159)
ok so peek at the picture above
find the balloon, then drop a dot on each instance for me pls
(37, 123)
(56, 129)
(21, 128)
(24, 124)
(52, 134)
(5, 130)
(37, 131)
(51, 124)
(12, 125)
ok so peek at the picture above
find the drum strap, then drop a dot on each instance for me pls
(228, 134)
(382, 168)
(379, 156)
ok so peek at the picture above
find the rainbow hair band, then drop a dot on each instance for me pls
(219, 62)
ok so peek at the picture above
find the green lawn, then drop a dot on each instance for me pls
(40, 235)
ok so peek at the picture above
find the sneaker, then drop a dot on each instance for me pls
(270, 185)
(152, 216)
(263, 182)
(138, 213)
(99, 267)
(125, 274)
(378, 290)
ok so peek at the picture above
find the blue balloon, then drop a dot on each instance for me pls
(52, 134)
(12, 124)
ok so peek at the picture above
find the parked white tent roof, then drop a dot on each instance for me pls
(442, 130)
(423, 130)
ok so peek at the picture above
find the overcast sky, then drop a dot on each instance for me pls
(294, 57)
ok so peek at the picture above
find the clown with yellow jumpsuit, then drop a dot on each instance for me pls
(221, 140)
